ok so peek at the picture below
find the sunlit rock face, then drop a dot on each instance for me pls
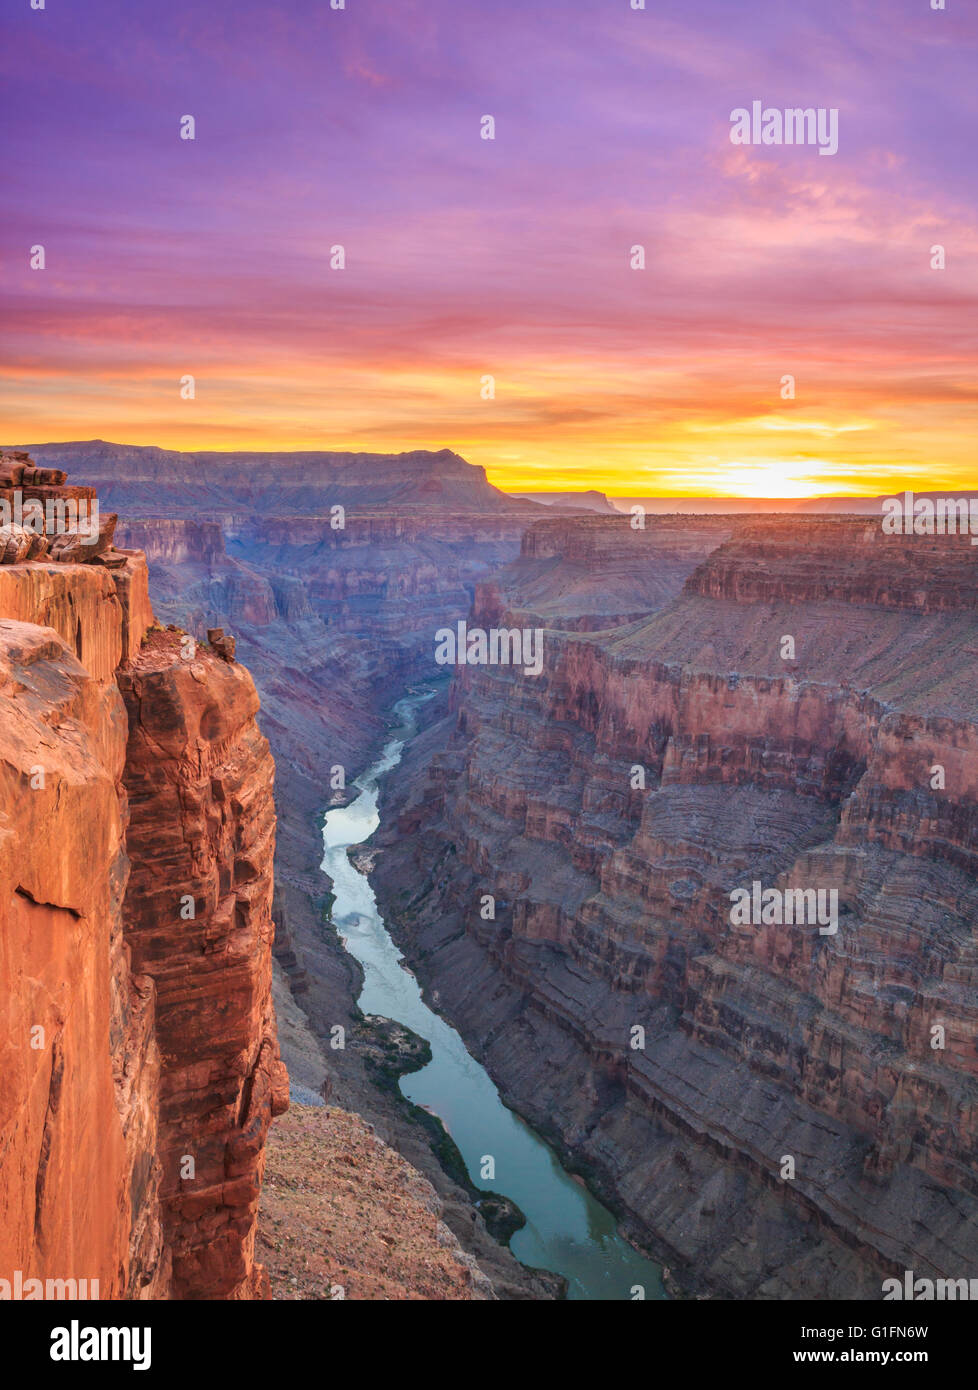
(141, 1064)
(78, 1106)
(201, 838)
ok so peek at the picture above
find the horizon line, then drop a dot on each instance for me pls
(517, 491)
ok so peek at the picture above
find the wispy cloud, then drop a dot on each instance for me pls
(510, 257)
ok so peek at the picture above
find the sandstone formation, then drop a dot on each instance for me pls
(49, 525)
(136, 844)
(854, 1054)
(81, 1066)
(199, 779)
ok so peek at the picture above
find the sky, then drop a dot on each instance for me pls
(511, 258)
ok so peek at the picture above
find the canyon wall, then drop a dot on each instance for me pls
(610, 806)
(81, 1067)
(199, 778)
(674, 748)
(333, 623)
(140, 1061)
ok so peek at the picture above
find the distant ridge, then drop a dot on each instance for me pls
(143, 480)
(715, 506)
(590, 499)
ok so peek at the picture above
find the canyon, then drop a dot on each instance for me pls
(136, 958)
(666, 755)
(610, 805)
(332, 624)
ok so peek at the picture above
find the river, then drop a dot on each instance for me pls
(567, 1230)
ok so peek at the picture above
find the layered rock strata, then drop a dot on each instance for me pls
(612, 804)
(42, 518)
(199, 778)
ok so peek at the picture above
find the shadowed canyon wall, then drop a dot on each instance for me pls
(611, 805)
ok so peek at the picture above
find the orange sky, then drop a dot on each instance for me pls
(696, 432)
(466, 258)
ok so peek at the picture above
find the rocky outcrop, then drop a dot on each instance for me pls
(344, 1217)
(42, 518)
(612, 804)
(136, 839)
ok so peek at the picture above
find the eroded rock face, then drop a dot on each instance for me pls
(78, 1101)
(133, 1037)
(612, 899)
(841, 558)
(589, 573)
(199, 778)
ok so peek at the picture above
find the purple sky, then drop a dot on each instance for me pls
(467, 257)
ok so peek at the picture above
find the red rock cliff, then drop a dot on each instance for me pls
(198, 920)
(139, 1057)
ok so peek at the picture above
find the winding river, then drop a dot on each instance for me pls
(567, 1230)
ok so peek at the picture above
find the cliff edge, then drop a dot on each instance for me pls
(137, 826)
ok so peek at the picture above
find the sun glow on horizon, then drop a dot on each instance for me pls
(765, 478)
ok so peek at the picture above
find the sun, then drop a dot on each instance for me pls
(769, 478)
